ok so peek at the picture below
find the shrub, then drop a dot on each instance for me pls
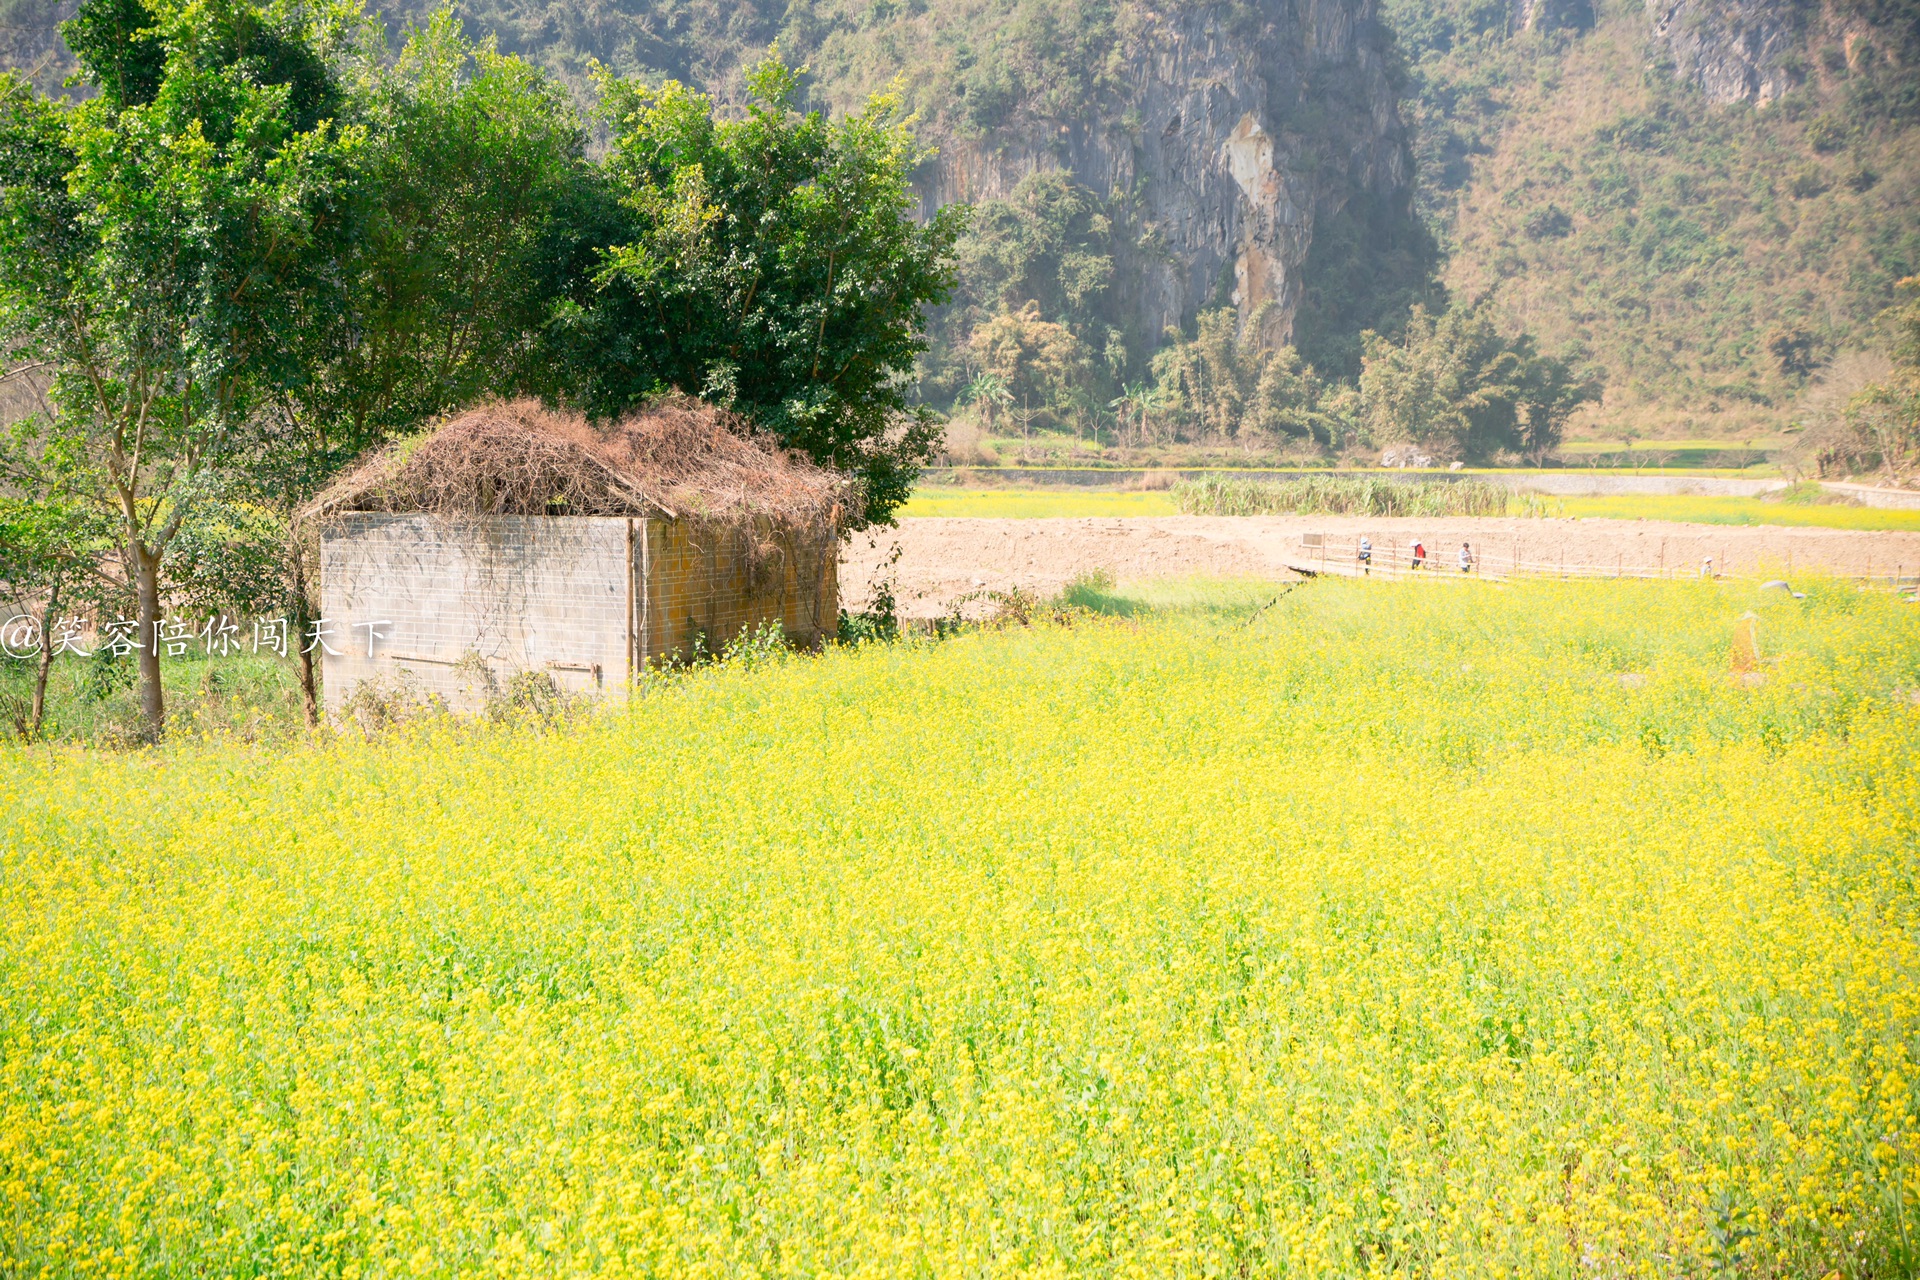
(1341, 496)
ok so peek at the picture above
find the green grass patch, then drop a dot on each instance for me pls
(1348, 496)
(987, 504)
(244, 697)
(1206, 598)
(1735, 511)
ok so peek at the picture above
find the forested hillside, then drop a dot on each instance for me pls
(1712, 234)
(1700, 207)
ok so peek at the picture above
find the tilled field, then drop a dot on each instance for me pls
(942, 561)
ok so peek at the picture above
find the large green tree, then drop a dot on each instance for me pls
(468, 189)
(465, 183)
(1457, 386)
(158, 244)
(1222, 385)
(770, 263)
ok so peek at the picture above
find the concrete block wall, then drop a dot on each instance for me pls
(524, 593)
(586, 600)
(713, 581)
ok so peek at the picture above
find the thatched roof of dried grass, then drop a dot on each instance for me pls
(678, 457)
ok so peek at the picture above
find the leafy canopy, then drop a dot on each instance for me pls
(769, 263)
(465, 184)
(1455, 384)
(160, 244)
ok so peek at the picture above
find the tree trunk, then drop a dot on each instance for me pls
(146, 585)
(46, 660)
(309, 685)
(302, 618)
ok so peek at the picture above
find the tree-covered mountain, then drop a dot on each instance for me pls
(1705, 199)
(1713, 199)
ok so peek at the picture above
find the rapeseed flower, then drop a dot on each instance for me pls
(1489, 931)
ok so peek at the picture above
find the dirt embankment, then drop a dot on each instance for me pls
(942, 560)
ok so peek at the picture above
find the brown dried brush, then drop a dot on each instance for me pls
(678, 457)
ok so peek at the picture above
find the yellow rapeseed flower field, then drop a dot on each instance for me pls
(1467, 932)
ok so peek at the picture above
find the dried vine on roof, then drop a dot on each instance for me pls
(677, 457)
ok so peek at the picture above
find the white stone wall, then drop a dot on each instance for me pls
(524, 593)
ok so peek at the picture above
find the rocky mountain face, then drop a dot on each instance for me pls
(1759, 50)
(1246, 128)
(1733, 50)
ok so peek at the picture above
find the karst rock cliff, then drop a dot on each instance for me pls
(1245, 126)
(1733, 50)
(1756, 50)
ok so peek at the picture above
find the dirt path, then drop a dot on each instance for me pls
(942, 560)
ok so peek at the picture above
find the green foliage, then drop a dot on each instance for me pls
(1460, 389)
(92, 701)
(105, 37)
(1004, 69)
(1222, 385)
(1882, 422)
(1341, 496)
(466, 190)
(1028, 363)
(230, 558)
(50, 552)
(1613, 211)
(160, 246)
(1051, 245)
(767, 263)
(1368, 265)
(48, 544)
(1458, 63)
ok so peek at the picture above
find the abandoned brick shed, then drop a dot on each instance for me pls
(515, 539)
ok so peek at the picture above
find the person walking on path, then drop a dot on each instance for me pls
(1466, 558)
(1419, 554)
(1366, 556)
